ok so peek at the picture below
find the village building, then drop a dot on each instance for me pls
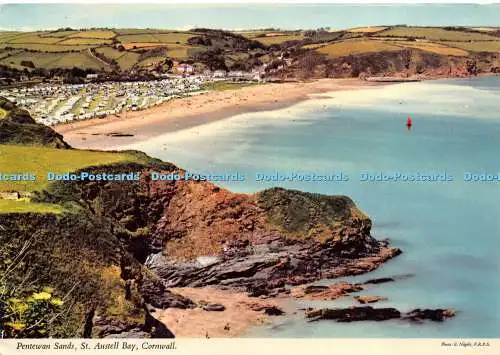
(185, 68)
(219, 74)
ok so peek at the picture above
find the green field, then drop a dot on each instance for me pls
(351, 47)
(5, 36)
(128, 60)
(226, 85)
(32, 38)
(53, 48)
(79, 41)
(40, 160)
(436, 34)
(56, 60)
(151, 61)
(167, 37)
(251, 34)
(129, 47)
(486, 29)
(60, 34)
(39, 59)
(173, 37)
(102, 34)
(143, 37)
(110, 52)
(180, 51)
(135, 31)
(369, 29)
(25, 206)
(57, 48)
(477, 46)
(438, 48)
(278, 39)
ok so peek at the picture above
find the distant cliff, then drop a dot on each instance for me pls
(403, 63)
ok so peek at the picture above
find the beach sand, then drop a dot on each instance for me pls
(127, 128)
(234, 321)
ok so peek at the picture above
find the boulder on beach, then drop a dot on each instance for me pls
(214, 307)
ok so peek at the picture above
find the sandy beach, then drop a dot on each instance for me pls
(131, 127)
(240, 313)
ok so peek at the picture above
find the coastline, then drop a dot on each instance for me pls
(132, 127)
(238, 315)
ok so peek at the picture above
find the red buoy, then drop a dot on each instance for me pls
(408, 122)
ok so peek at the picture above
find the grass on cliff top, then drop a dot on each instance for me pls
(307, 215)
(24, 205)
(15, 159)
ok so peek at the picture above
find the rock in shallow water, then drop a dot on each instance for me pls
(354, 314)
(436, 315)
(368, 313)
(330, 292)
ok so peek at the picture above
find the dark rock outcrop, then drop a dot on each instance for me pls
(368, 313)
(105, 327)
(436, 315)
(329, 292)
(155, 293)
(354, 314)
(380, 280)
(273, 311)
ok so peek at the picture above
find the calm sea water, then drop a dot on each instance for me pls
(449, 231)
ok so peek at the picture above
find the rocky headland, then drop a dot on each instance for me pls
(193, 234)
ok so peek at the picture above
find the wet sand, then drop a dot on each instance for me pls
(132, 127)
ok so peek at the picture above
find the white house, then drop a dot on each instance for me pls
(219, 74)
(185, 68)
(236, 74)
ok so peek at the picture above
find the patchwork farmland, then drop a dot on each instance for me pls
(129, 50)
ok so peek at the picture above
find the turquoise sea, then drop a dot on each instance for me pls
(449, 231)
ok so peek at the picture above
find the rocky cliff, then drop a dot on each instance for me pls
(121, 245)
(404, 63)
